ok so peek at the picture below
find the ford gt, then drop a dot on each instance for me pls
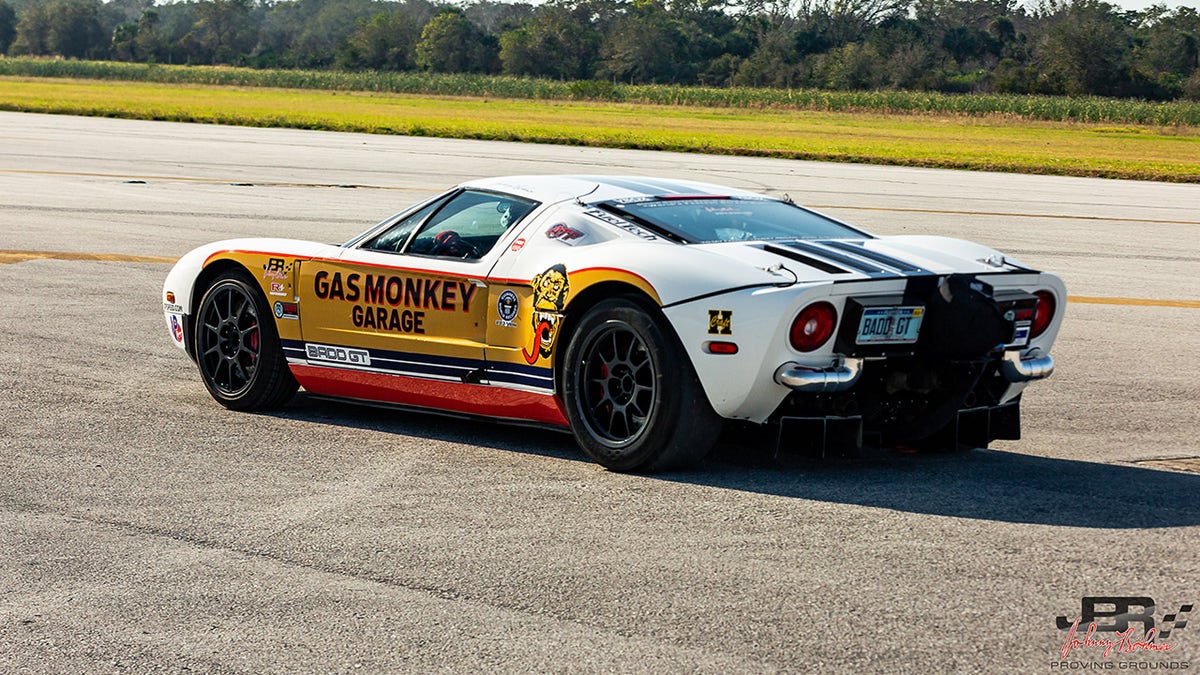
(641, 314)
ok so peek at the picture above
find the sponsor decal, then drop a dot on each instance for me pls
(1109, 626)
(720, 322)
(357, 357)
(378, 299)
(277, 268)
(565, 233)
(517, 245)
(286, 310)
(506, 306)
(176, 328)
(550, 291)
(600, 214)
(172, 308)
(278, 288)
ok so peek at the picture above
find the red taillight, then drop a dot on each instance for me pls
(1043, 314)
(813, 326)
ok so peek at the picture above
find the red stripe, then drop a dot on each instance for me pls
(471, 399)
(495, 280)
(343, 261)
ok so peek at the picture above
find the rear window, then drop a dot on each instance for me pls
(713, 219)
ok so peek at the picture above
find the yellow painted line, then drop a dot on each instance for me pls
(196, 179)
(999, 214)
(1141, 302)
(10, 257)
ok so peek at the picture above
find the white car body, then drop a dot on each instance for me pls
(730, 305)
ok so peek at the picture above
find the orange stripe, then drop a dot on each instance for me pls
(1141, 302)
(342, 261)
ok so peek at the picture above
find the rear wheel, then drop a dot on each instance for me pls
(237, 347)
(630, 393)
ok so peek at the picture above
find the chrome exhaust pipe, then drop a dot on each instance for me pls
(1036, 367)
(837, 378)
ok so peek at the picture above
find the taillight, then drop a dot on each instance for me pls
(1043, 314)
(813, 326)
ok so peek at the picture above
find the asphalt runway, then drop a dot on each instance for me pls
(143, 528)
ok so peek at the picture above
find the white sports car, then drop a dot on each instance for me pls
(640, 313)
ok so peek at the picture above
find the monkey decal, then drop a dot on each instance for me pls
(550, 290)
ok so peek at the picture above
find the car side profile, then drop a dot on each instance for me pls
(642, 314)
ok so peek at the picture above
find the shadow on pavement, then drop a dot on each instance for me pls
(979, 484)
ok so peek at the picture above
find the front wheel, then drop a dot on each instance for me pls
(631, 396)
(237, 347)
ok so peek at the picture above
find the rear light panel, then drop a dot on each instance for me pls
(813, 327)
(1044, 313)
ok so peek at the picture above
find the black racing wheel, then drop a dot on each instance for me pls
(237, 346)
(631, 395)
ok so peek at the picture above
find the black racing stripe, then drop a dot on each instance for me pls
(806, 259)
(411, 367)
(512, 378)
(861, 250)
(388, 355)
(862, 266)
(441, 367)
(519, 368)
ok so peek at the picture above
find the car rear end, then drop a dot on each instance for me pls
(932, 349)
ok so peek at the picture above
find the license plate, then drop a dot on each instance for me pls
(1020, 334)
(890, 325)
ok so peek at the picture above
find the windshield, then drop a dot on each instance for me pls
(698, 220)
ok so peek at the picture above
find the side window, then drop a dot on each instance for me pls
(393, 238)
(469, 225)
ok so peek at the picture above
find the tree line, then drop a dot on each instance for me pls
(1072, 47)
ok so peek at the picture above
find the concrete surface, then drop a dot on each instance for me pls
(143, 528)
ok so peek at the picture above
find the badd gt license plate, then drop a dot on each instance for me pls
(890, 325)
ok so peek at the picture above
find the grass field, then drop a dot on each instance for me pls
(1031, 107)
(981, 142)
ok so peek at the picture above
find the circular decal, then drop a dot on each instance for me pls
(506, 305)
(278, 310)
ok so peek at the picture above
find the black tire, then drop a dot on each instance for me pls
(237, 346)
(631, 395)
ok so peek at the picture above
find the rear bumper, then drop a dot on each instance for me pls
(844, 375)
(833, 436)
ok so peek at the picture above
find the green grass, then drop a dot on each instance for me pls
(1047, 108)
(1170, 153)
